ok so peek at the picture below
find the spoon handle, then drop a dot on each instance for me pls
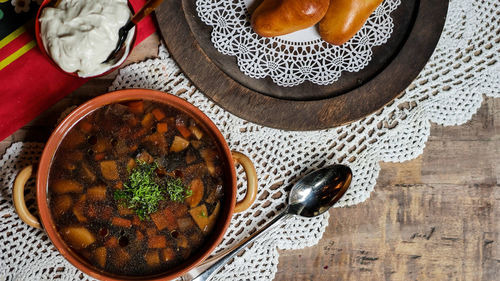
(145, 10)
(220, 263)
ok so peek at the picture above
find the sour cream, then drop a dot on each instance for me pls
(80, 34)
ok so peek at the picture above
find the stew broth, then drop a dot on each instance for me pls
(100, 159)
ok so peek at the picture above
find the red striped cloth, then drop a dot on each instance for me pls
(29, 83)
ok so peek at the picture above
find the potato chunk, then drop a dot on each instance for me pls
(86, 173)
(179, 144)
(100, 256)
(196, 132)
(152, 258)
(147, 121)
(66, 186)
(197, 189)
(212, 218)
(109, 170)
(97, 193)
(200, 216)
(62, 204)
(78, 237)
(209, 155)
(78, 208)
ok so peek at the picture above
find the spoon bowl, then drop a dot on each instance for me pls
(316, 192)
(311, 196)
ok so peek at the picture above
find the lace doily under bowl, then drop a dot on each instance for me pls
(417, 28)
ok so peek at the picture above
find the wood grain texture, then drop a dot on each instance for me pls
(432, 218)
(260, 101)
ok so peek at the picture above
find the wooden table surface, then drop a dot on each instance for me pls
(432, 218)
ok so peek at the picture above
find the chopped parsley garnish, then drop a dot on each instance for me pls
(144, 190)
(177, 191)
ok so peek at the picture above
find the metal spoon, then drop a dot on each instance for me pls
(123, 32)
(311, 196)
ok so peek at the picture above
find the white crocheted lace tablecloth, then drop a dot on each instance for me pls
(449, 90)
(294, 58)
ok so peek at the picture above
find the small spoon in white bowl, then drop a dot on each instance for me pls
(311, 196)
(150, 6)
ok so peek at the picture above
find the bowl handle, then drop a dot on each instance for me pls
(252, 184)
(18, 198)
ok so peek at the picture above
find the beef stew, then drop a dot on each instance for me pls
(135, 188)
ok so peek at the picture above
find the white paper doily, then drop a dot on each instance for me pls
(448, 92)
(292, 59)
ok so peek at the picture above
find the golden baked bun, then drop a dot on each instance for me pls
(280, 17)
(345, 18)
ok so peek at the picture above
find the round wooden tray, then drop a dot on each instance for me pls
(417, 28)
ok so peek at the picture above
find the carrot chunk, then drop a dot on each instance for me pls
(121, 257)
(177, 209)
(141, 132)
(85, 126)
(117, 221)
(99, 156)
(136, 106)
(109, 170)
(124, 211)
(161, 128)
(151, 231)
(168, 254)
(164, 219)
(136, 221)
(131, 164)
(106, 213)
(158, 114)
(101, 145)
(157, 242)
(111, 242)
(158, 140)
(73, 139)
(138, 235)
(183, 130)
(119, 185)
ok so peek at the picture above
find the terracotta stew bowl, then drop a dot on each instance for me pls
(228, 203)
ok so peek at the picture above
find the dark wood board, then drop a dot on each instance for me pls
(394, 65)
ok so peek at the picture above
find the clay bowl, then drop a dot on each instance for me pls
(228, 201)
(39, 41)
